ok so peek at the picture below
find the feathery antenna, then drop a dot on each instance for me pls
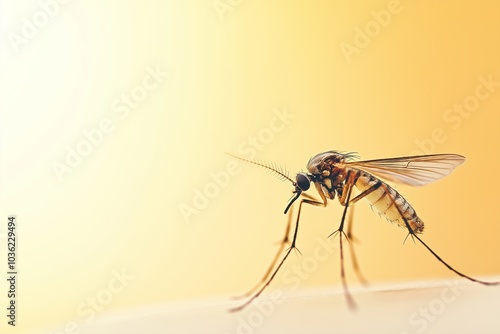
(281, 173)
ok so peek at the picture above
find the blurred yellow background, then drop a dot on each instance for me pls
(116, 117)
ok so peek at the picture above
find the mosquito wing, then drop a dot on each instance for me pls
(415, 170)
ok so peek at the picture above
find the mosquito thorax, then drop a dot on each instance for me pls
(323, 163)
(324, 167)
(302, 181)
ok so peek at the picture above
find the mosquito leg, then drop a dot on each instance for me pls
(414, 235)
(365, 192)
(283, 243)
(347, 294)
(288, 251)
(346, 201)
(354, 259)
(347, 193)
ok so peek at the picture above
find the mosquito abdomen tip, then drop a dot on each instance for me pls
(417, 225)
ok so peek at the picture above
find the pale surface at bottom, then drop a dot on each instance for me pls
(452, 306)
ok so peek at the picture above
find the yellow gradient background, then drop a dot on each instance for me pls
(228, 72)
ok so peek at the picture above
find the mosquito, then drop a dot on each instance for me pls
(334, 173)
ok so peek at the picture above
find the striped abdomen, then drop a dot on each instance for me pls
(389, 202)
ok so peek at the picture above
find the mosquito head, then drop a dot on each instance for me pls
(302, 183)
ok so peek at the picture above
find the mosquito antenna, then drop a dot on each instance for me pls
(269, 166)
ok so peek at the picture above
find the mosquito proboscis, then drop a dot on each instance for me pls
(333, 173)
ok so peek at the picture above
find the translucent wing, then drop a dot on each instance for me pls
(415, 171)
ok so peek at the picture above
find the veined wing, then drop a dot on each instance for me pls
(415, 170)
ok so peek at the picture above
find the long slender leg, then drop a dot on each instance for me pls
(352, 240)
(346, 194)
(346, 201)
(365, 193)
(292, 246)
(349, 299)
(414, 235)
(283, 243)
(450, 267)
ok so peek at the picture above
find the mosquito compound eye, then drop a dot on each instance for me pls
(303, 181)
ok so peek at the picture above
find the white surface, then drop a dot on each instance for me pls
(453, 306)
